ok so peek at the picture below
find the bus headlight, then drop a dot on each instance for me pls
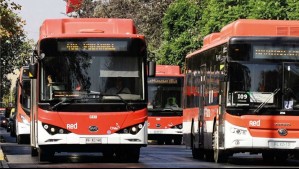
(179, 126)
(54, 129)
(132, 129)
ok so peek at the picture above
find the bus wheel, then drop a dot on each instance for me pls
(197, 153)
(268, 157)
(168, 141)
(34, 152)
(220, 156)
(20, 139)
(282, 157)
(160, 141)
(128, 155)
(108, 155)
(45, 155)
(133, 156)
(178, 141)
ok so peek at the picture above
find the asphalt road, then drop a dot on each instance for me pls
(153, 156)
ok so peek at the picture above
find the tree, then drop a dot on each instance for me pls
(268, 9)
(293, 9)
(13, 45)
(147, 15)
(180, 31)
(185, 24)
(219, 13)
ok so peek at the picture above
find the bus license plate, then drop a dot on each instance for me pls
(93, 140)
(158, 132)
(280, 145)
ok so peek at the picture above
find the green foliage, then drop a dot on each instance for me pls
(292, 9)
(219, 13)
(268, 9)
(213, 15)
(13, 45)
(180, 31)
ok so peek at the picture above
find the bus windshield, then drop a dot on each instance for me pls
(253, 84)
(92, 67)
(25, 96)
(256, 84)
(165, 93)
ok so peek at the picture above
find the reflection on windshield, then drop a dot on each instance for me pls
(291, 85)
(25, 99)
(70, 72)
(255, 81)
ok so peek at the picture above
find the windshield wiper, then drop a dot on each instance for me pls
(266, 101)
(126, 103)
(95, 95)
(61, 102)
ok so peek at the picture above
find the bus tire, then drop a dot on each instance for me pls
(220, 156)
(20, 139)
(196, 152)
(109, 155)
(128, 155)
(134, 156)
(34, 152)
(168, 141)
(268, 157)
(160, 141)
(45, 155)
(178, 141)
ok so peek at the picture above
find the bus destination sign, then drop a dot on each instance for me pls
(275, 52)
(163, 81)
(92, 46)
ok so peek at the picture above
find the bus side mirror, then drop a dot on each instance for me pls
(33, 71)
(151, 69)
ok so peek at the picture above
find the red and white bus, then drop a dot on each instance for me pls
(165, 92)
(22, 110)
(241, 91)
(77, 63)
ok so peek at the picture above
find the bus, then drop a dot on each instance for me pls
(165, 91)
(241, 91)
(21, 124)
(75, 64)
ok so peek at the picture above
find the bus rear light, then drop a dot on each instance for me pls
(54, 129)
(132, 129)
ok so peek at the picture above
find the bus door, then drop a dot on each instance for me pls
(290, 86)
(202, 85)
(33, 119)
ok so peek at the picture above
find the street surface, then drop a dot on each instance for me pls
(153, 156)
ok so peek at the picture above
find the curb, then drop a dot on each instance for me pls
(1, 155)
(2, 159)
